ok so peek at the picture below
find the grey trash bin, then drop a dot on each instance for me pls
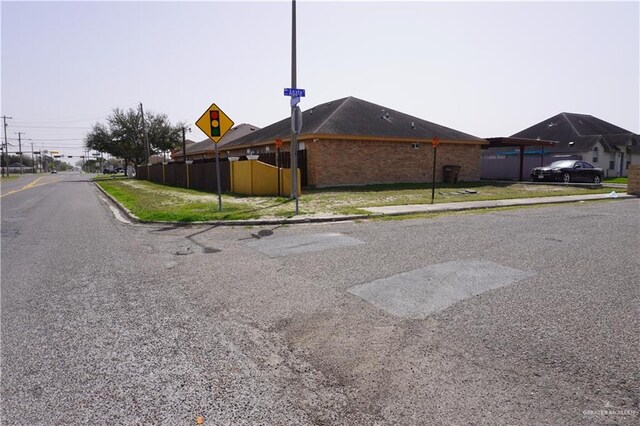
(450, 173)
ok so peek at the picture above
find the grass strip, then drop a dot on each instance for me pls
(157, 203)
(154, 202)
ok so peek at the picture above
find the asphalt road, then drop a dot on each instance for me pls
(527, 316)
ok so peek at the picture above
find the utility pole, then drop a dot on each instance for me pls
(144, 135)
(33, 160)
(294, 136)
(184, 142)
(20, 148)
(147, 154)
(6, 146)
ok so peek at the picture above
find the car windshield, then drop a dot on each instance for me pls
(562, 164)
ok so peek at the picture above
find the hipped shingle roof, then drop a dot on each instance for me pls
(354, 117)
(581, 129)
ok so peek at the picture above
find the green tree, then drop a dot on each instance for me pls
(164, 137)
(123, 135)
(25, 160)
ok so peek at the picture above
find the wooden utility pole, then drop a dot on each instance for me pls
(20, 148)
(6, 146)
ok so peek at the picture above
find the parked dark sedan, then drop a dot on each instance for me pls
(568, 171)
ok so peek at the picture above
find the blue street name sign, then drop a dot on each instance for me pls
(296, 93)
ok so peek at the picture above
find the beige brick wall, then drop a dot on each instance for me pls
(346, 162)
(633, 186)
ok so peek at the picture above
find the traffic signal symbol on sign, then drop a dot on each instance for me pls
(214, 116)
(214, 123)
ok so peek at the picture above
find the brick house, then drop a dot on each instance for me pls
(350, 141)
(579, 137)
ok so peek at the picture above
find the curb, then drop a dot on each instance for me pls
(120, 207)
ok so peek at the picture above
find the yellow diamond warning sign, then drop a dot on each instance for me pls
(214, 123)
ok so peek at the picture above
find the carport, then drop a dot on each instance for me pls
(522, 143)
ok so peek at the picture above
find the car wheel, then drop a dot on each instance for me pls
(566, 178)
(597, 180)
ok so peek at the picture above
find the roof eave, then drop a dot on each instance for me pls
(324, 136)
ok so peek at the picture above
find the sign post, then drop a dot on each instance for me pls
(278, 146)
(296, 128)
(215, 123)
(435, 142)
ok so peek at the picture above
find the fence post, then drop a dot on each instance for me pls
(232, 163)
(187, 169)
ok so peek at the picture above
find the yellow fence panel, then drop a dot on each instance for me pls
(253, 177)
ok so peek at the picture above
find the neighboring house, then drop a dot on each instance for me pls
(158, 159)
(206, 148)
(579, 137)
(354, 142)
(187, 143)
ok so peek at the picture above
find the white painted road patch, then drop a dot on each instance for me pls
(421, 292)
(287, 246)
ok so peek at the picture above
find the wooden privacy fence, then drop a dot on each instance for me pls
(202, 174)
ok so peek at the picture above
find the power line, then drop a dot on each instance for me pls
(50, 140)
(53, 127)
(63, 120)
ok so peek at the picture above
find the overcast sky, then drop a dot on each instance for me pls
(484, 68)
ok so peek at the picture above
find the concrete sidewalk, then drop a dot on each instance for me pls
(470, 205)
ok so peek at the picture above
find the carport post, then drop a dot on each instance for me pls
(521, 160)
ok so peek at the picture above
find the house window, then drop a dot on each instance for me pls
(612, 164)
(415, 145)
(595, 154)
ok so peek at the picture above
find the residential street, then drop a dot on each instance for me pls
(521, 316)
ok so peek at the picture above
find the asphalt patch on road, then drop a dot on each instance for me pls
(299, 244)
(419, 293)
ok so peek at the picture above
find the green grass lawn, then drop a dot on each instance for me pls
(153, 202)
(616, 180)
(9, 178)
